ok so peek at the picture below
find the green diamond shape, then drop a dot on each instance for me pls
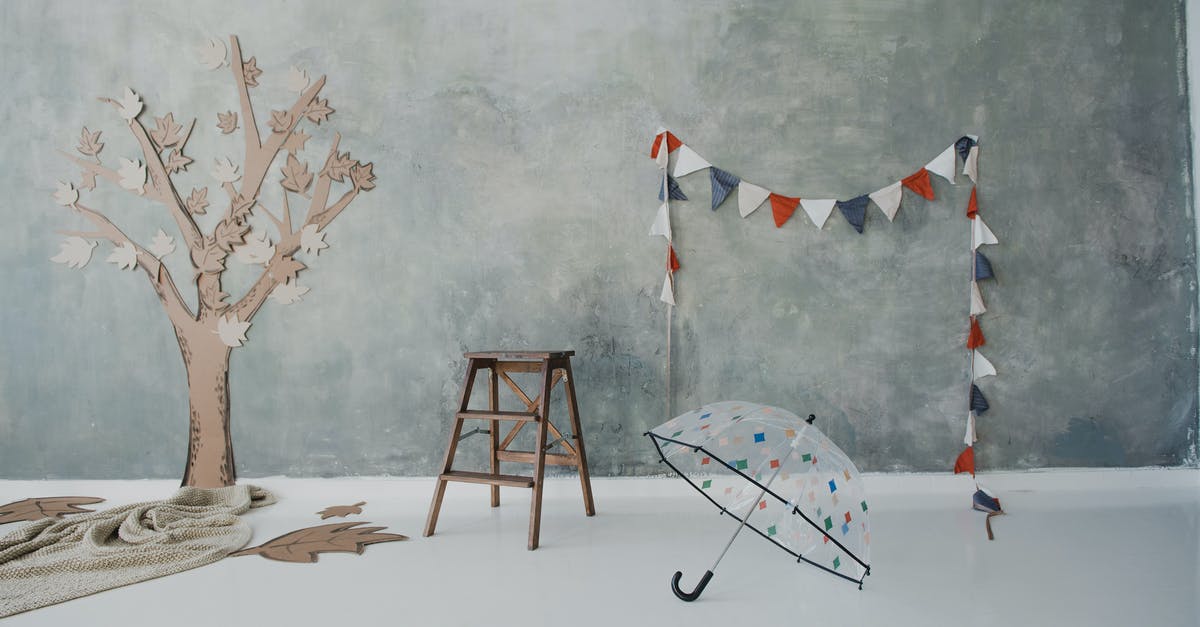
(806, 457)
(742, 464)
(836, 562)
(676, 434)
(828, 523)
(771, 530)
(707, 484)
(864, 506)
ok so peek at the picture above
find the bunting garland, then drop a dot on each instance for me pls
(888, 199)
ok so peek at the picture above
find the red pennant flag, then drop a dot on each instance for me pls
(672, 260)
(975, 338)
(965, 461)
(919, 183)
(672, 143)
(972, 205)
(782, 207)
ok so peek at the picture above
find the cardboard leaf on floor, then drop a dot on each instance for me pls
(303, 545)
(41, 507)
(341, 511)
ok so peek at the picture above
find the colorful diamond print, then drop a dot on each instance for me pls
(828, 523)
(708, 484)
(760, 437)
(771, 530)
(832, 486)
(775, 464)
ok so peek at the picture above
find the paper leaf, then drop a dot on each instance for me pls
(258, 249)
(338, 166)
(688, 161)
(750, 197)
(318, 110)
(297, 80)
(225, 171)
(231, 330)
(981, 234)
(65, 194)
(45, 507)
(818, 210)
(296, 177)
(281, 121)
(162, 245)
(312, 240)
(177, 161)
(132, 175)
(977, 306)
(981, 366)
(130, 105)
(341, 511)
(87, 179)
(662, 222)
(89, 143)
(971, 164)
(124, 256)
(668, 291)
(287, 293)
(286, 269)
(303, 545)
(943, 164)
(295, 142)
(75, 252)
(362, 176)
(197, 202)
(888, 199)
(166, 131)
(211, 54)
(251, 72)
(227, 122)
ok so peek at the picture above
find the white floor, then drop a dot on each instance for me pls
(1078, 548)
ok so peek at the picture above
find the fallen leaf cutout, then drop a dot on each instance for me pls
(251, 72)
(87, 180)
(281, 121)
(125, 256)
(295, 142)
(162, 245)
(197, 202)
(133, 175)
(227, 122)
(89, 143)
(312, 240)
(66, 195)
(318, 110)
(287, 293)
(258, 249)
(212, 54)
(225, 171)
(303, 545)
(177, 161)
(341, 511)
(75, 252)
(339, 166)
(296, 177)
(130, 105)
(45, 507)
(166, 131)
(231, 330)
(297, 80)
(362, 176)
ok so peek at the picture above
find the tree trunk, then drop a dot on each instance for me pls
(210, 448)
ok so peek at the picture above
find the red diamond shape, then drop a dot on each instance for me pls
(705, 461)
(774, 463)
(762, 505)
(847, 517)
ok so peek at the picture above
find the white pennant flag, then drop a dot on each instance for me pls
(663, 155)
(977, 306)
(688, 161)
(668, 293)
(971, 165)
(981, 366)
(888, 199)
(662, 222)
(943, 164)
(980, 233)
(970, 438)
(750, 197)
(818, 210)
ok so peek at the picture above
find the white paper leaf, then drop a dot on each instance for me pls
(688, 161)
(981, 366)
(162, 245)
(662, 222)
(75, 252)
(212, 54)
(977, 306)
(297, 80)
(133, 175)
(980, 233)
(818, 210)
(288, 293)
(668, 291)
(971, 165)
(66, 195)
(258, 249)
(130, 105)
(943, 164)
(750, 197)
(888, 199)
(311, 240)
(232, 330)
(124, 256)
(225, 171)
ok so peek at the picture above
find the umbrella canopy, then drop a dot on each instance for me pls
(778, 475)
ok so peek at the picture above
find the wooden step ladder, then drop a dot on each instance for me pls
(554, 366)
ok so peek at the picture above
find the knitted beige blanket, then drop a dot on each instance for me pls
(50, 561)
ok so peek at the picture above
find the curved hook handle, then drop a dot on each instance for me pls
(694, 594)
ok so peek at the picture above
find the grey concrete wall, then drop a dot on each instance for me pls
(515, 193)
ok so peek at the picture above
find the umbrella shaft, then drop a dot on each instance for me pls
(746, 519)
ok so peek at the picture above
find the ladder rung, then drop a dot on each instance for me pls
(527, 457)
(513, 481)
(519, 416)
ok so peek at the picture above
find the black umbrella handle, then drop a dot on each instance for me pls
(694, 594)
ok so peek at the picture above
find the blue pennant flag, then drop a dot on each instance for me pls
(855, 211)
(983, 267)
(673, 186)
(979, 404)
(963, 146)
(722, 183)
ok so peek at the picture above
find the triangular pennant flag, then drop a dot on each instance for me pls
(750, 197)
(979, 404)
(668, 291)
(944, 164)
(963, 146)
(981, 234)
(662, 222)
(855, 211)
(672, 260)
(689, 161)
(969, 438)
(975, 338)
(818, 210)
(672, 143)
(981, 366)
(673, 185)
(983, 267)
(663, 157)
(782, 207)
(973, 205)
(965, 461)
(971, 164)
(919, 182)
(985, 501)
(977, 306)
(888, 199)
(722, 183)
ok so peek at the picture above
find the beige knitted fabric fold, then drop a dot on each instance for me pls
(50, 561)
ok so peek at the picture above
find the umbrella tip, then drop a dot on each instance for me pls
(811, 418)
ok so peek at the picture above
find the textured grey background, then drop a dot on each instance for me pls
(515, 193)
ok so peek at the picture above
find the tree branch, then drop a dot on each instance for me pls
(259, 161)
(321, 192)
(249, 125)
(323, 218)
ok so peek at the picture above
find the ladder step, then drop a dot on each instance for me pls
(528, 457)
(512, 481)
(519, 416)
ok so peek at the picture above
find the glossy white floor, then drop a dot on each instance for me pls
(1078, 548)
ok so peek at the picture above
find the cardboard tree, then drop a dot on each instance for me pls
(207, 336)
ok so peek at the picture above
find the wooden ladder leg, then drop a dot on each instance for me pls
(539, 463)
(440, 491)
(585, 479)
(494, 430)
